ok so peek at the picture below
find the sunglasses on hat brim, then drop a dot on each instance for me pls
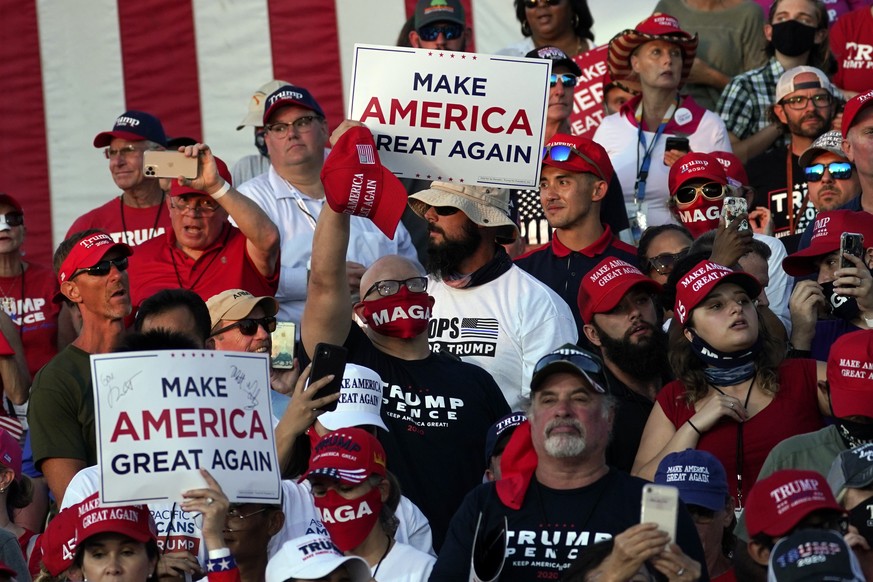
(590, 368)
(561, 153)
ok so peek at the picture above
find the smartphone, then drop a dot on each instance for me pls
(329, 359)
(660, 505)
(284, 340)
(677, 143)
(851, 243)
(164, 164)
(734, 206)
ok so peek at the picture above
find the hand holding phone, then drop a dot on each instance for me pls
(851, 243)
(329, 359)
(164, 164)
(677, 143)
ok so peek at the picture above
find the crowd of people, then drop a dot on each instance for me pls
(677, 304)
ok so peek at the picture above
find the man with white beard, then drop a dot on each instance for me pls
(557, 494)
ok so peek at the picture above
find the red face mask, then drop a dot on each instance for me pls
(348, 521)
(402, 315)
(700, 216)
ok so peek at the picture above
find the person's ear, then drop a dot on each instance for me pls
(591, 334)
(210, 343)
(779, 112)
(687, 333)
(768, 32)
(277, 521)
(634, 62)
(414, 39)
(599, 191)
(384, 489)
(71, 291)
(759, 553)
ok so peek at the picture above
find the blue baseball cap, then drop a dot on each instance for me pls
(501, 431)
(290, 95)
(133, 126)
(698, 475)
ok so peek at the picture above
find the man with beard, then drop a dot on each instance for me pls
(557, 494)
(573, 185)
(615, 300)
(92, 273)
(488, 311)
(805, 108)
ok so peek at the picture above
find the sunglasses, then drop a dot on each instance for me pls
(688, 194)
(250, 326)
(431, 32)
(665, 262)
(838, 171)
(444, 210)
(566, 80)
(392, 286)
(13, 218)
(561, 153)
(102, 268)
(590, 368)
(533, 3)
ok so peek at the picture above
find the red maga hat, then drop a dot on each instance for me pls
(701, 280)
(605, 286)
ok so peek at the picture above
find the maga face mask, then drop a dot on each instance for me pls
(702, 213)
(846, 308)
(402, 315)
(348, 521)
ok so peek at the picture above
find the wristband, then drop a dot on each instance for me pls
(691, 424)
(221, 191)
(220, 560)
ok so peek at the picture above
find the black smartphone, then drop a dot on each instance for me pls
(677, 143)
(851, 243)
(329, 359)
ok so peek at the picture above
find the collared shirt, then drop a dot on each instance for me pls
(159, 264)
(744, 103)
(562, 269)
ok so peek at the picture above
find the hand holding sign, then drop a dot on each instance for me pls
(212, 504)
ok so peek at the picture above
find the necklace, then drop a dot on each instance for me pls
(152, 232)
(387, 548)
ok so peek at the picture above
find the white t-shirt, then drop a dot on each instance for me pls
(404, 564)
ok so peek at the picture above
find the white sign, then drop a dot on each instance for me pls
(453, 116)
(162, 415)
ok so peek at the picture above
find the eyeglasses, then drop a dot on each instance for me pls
(561, 153)
(688, 194)
(838, 171)
(301, 125)
(585, 364)
(202, 204)
(234, 520)
(566, 80)
(531, 4)
(249, 326)
(125, 152)
(391, 286)
(102, 268)
(665, 262)
(821, 101)
(431, 32)
(13, 218)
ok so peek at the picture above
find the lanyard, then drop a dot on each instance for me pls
(301, 204)
(643, 173)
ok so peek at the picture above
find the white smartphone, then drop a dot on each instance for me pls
(164, 164)
(734, 206)
(660, 505)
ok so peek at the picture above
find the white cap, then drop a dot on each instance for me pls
(311, 557)
(787, 84)
(360, 400)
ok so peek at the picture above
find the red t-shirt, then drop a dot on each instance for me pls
(27, 299)
(125, 223)
(851, 41)
(794, 410)
(159, 264)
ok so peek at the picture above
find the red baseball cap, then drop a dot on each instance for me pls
(696, 165)
(697, 283)
(827, 228)
(733, 168)
(177, 189)
(849, 374)
(349, 455)
(133, 521)
(10, 453)
(589, 156)
(57, 544)
(88, 252)
(854, 106)
(133, 126)
(658, 26)
(779, 502)
(604, 286)
(356, 182)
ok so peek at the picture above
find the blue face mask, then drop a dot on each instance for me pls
(724, 368)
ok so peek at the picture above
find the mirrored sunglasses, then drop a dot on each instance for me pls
(431, 32)
(837, 170)
(591, 369)
(567, 80)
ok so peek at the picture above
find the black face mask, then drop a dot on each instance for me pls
(861, 516)
(855, 433)
(792, 38)
(841, 306)
(261, 141)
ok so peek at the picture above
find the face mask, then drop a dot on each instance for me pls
(261, 141)
(845, 308)
(402, 315)
(724, 368)
(861, 516)
(348, 521)
(855, 433)
(792, 38)
(701, 215)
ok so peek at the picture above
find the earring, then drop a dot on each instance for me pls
(3, 489)
(525, 28)
(575, 21)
